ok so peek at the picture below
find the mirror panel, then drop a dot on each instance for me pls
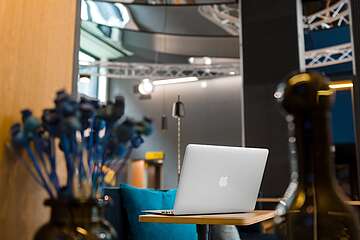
(171, 2)
(154, 54)
(211, 20)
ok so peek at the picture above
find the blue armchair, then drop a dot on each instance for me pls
(118, 215)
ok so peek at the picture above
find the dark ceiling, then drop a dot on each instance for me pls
(185, 20)
(162, 33)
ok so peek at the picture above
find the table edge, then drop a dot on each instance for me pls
(150, 218)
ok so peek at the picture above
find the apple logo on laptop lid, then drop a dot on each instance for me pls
(223, 181)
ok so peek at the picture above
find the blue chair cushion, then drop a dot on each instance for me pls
(136, 200)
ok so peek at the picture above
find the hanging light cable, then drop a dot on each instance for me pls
(178, 112)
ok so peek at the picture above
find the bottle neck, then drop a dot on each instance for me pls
(312, 144)
(74, 213)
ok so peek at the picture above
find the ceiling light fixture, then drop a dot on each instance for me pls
(341, 85)
(191, 60)
(203, 84)
(84, 78)
(200, 60)
(146, 87)
(207, 61)
(174, 81)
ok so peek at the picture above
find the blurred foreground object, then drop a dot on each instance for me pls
(312, 207)
(96, 140)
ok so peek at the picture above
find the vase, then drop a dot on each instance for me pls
(76, 220)
(312, 207)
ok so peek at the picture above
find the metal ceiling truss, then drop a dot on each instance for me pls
(152, 71)
(227, 18)
(314, 59)
(336, 15)
(329, 56)
(224, 16)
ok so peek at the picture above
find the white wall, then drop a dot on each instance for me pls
(213, 116)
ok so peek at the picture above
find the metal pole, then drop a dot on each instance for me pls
(75, 72)
(355, 30)
(202, 231)
(242, 104)
(301, 37)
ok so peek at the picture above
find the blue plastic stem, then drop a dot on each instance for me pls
(52, 158)
(39, 152)
(69, 164)
(38, 170)
(29, 169)
(81, 161)
(90, 144)
(126, 158)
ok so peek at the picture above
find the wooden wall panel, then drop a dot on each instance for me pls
(36, 58)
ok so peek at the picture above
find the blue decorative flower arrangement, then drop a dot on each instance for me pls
(96, 141)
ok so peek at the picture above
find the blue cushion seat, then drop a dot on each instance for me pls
(136, 200)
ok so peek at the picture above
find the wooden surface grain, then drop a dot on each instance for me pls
(353, 203)
(241, 219)
(268, 200)
(276, 200)
(36, 59)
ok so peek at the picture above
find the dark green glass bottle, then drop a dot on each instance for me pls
(76, 220)
(312, 207)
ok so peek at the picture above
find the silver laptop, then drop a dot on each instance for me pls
(218, 179)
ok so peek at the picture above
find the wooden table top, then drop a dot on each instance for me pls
(276, 200)
(268, 200)
(353, 203)
(240, 219)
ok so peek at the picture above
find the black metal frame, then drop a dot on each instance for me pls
(355, 27)
(202, 231)
(355, 30)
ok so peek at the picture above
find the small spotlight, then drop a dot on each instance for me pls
(231, 73)
(203, 84)
(278, 94)
(146, 87)
(207, 61)
(200, 60)
(84, 78)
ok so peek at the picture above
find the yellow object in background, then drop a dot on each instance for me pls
(137, 174)
(109, 176)
(154, 155)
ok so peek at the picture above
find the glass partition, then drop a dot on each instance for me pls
(154, 55)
